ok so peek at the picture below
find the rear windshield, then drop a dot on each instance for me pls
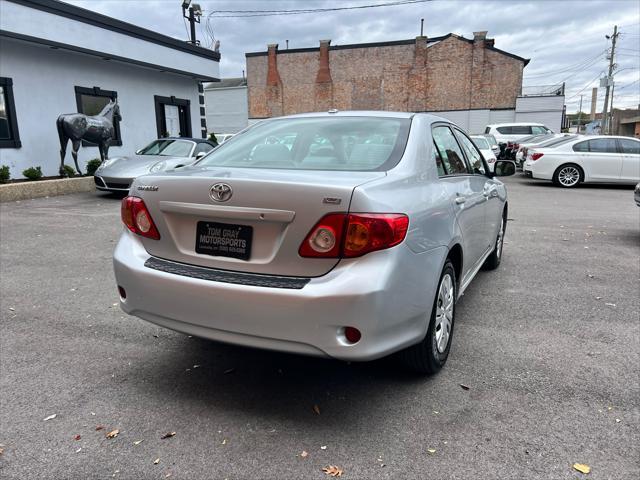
(170, 148)
(327, 143)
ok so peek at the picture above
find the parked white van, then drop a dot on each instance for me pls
(509, 132)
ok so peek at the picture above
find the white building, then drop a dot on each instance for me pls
(226, 105)
(57, 58)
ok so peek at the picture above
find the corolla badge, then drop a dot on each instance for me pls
(220, 192)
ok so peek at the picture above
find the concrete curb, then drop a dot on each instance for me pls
(45, 188)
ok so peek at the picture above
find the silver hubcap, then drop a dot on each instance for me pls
(444, 313)
(569, 176)
(500, 239)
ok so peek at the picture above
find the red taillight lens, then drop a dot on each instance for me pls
(536, 156)
(353, 235)
(137, 218)
(352, 334)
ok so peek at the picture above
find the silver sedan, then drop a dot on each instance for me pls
(116, 174)
(343, 234)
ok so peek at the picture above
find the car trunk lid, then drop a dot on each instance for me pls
(258, 229)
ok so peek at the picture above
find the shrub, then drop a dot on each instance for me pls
(69, 171)
(4, 174)
(33, 173)
(92, 166)
(212, 138)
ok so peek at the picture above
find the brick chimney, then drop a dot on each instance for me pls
(273, 77)
(324, 72)
(417, 79)
(480, 36)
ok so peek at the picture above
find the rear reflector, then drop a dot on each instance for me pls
(137, 218)
(353, 235)
(536, 155)
(352, 334)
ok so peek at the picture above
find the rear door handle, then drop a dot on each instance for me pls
(460, 200)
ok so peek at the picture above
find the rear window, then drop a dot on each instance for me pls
(504, 130)
(629, 146)
(325, 143)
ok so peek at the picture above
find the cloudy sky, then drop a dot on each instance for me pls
(565, 40)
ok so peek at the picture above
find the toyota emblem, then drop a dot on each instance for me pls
(220, 192)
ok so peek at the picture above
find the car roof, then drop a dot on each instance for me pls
(189, 139)
(353, 113)
(517, 124)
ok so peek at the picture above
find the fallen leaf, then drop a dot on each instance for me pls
(99, 427)
(51, 417)
(431, 450)
(77, 437)
(230, 370)
(316, 409)
(610, 304)
(196, 366)
(598, 298)
(617, 420)
(589, 275)
(167, 435)
(12, 309)
(333, 471)
(464, 387)
(113, 433)
(156, 461)
(1, 451)
(323, 447)
(79, 450)
(224, 442)
(582, 468)
(138, 442)
(93, 413)
(304, 454)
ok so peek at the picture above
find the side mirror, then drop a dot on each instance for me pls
(200, 155)
(138, 151)
(504, 168)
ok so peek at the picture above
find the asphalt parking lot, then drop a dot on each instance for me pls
(548, 346)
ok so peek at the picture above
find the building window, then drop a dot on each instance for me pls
(173, 117)
(91, 101)
(9, 135)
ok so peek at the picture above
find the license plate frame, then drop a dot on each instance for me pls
(228, 240)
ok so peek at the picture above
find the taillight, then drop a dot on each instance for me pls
(536, 156)
(353, 235)
(137, 218)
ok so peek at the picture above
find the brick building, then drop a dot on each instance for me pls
(442, 74)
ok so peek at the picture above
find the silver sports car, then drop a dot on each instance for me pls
(343, 234)
(116, 174)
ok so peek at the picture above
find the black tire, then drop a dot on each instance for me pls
(493, 261)
(560, 175)
(424, 357)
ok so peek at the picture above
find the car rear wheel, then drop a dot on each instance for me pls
(430, 355)
(568, 175)
(493, 261)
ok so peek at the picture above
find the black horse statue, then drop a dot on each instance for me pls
(96, 129)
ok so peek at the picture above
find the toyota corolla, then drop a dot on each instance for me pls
(347, 235)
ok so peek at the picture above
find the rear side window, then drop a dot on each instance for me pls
(473, 155)
(316, 143)
(603, 145)
(202, 148)
(538, 130)
(629, 146)
(449, 150)
(505, 130)
(581, 147)
(521, 130)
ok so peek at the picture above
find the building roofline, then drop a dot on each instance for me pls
(83, 15)
(385, 44)
(103, 55)
(392, 43)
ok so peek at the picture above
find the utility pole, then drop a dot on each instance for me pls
(605, 117)
(580, 114)
(195, 12)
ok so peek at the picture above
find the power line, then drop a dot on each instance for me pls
(269, 13)
(586, 86)
(580, 64)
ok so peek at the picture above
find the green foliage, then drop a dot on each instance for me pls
(92, 166)
(33, 173)
(69, 171)
(4, 174)
(212, 138)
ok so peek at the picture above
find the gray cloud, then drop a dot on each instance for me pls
(555, 35)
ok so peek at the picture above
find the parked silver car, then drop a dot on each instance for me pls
(354, 243)
(116, 174)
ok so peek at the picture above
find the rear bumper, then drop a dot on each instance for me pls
(387, 295)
